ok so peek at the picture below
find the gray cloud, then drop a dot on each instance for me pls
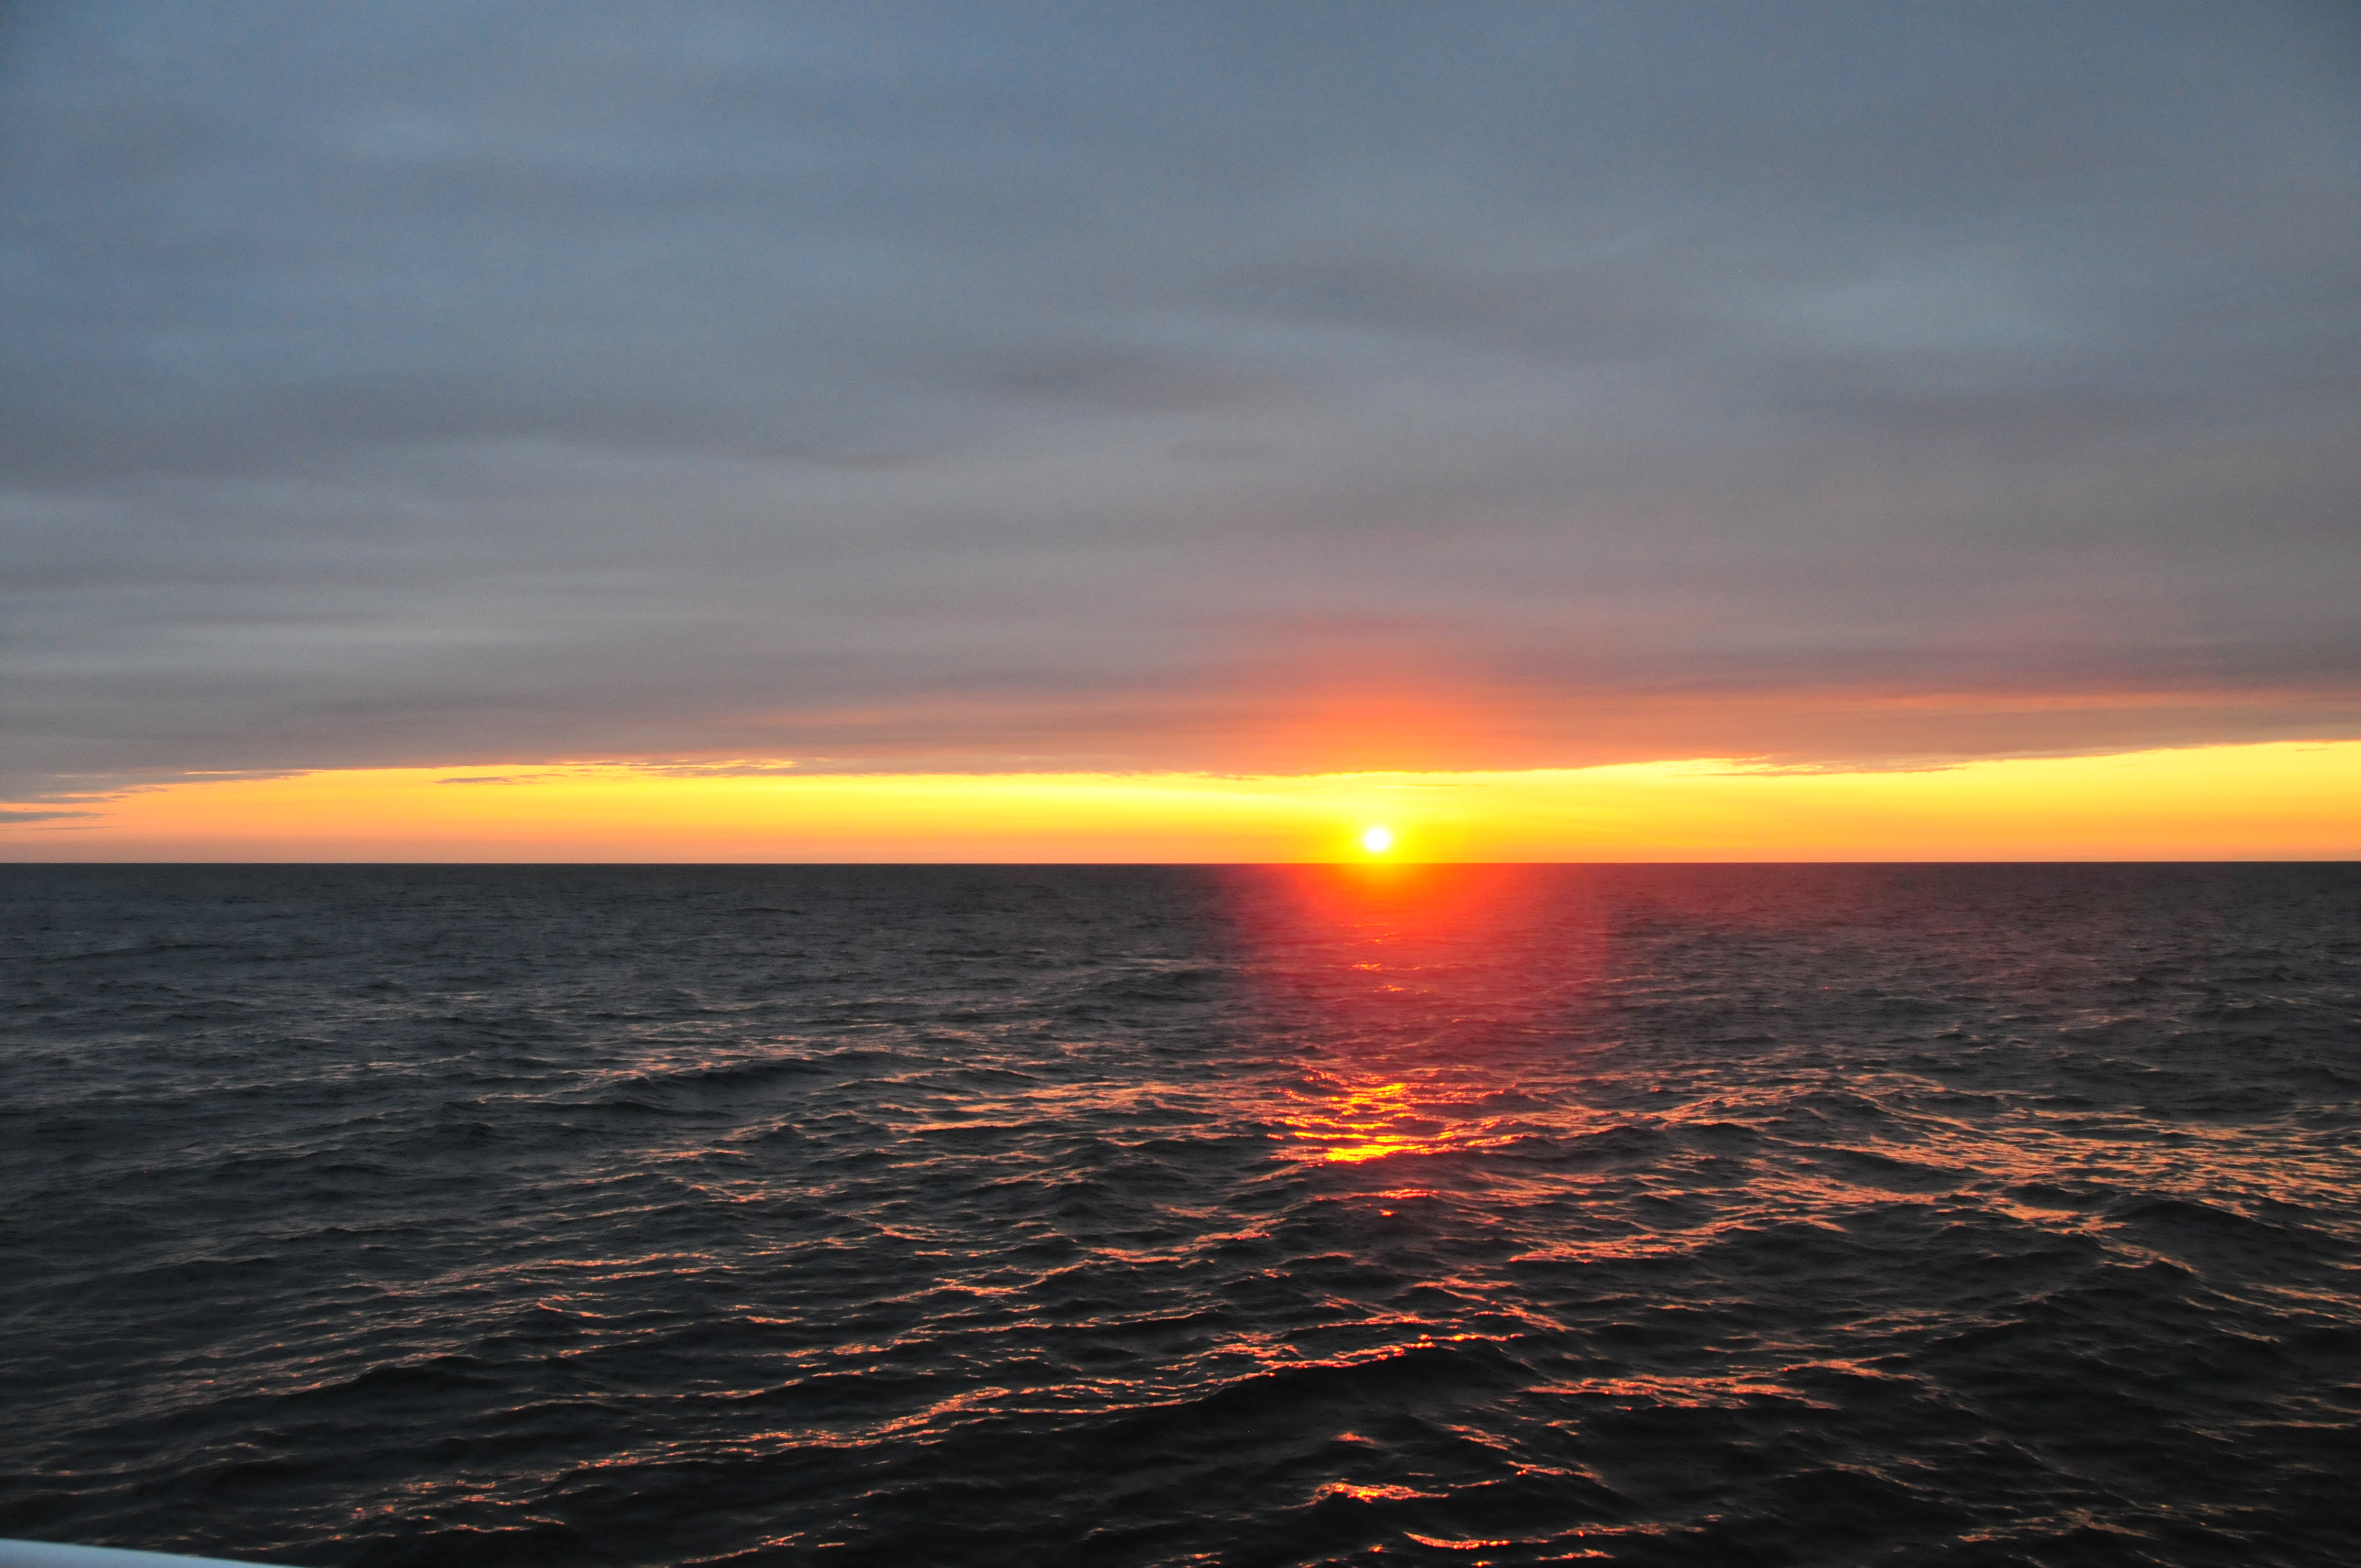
(997, 386)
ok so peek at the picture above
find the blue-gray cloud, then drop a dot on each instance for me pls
(1047, 386)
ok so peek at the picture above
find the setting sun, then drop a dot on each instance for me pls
(1377, 840)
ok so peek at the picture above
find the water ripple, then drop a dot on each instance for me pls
(399, 1216)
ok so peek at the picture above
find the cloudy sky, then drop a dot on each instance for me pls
(1189, 386)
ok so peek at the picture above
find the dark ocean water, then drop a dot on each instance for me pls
(1131, 1216)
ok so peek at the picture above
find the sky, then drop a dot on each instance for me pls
(1164, 392)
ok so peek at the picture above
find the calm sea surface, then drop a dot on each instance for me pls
(1127, 1216)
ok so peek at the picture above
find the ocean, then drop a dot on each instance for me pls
(1156, 1216)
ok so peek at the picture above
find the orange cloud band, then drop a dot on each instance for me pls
(2283, 800)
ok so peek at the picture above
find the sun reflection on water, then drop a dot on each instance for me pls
(1350, 1122)
(1417, 994)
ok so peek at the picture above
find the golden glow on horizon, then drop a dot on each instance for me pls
(1378, 839)
(2281, 800)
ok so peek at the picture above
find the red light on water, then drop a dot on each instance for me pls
(1418, 992)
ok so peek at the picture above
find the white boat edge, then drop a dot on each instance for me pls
(55, 1554)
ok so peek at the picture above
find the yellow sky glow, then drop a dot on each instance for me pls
(2286, 800)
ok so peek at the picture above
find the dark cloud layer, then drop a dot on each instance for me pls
(1191, 385)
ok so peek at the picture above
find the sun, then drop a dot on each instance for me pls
(1376, 840)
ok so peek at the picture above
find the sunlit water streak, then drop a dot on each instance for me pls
(745, 1215)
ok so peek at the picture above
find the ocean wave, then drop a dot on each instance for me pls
(1656, 1216)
